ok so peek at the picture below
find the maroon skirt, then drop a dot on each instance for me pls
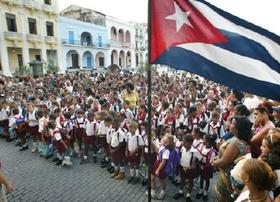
(117, 155)
(59, 147)
(34, 132)
(162, 174)
(80, 134)
(188, 174)
(206, 171)
(133, 160)
(90, 140)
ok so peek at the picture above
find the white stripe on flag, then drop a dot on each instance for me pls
(236, 63)
(222, 23)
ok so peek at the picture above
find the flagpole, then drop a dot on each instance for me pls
(149, 81)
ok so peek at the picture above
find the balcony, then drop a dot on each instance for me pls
(33, 5)
(51, 40)
(120, 44)
(11, 2)
(79, 43)
(34, 38)
(49, 9)
(13, 36)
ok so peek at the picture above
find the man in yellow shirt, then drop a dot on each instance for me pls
(131, 96)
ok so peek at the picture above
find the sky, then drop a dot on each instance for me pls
(263, 13)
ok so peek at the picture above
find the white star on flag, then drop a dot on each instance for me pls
(180, 17)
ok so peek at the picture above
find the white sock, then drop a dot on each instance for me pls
(162, 191)
(204, 193)
(188, 195)
(136, 173)
(85, 157)
(131, 172)
(106, 159)
(153, 191)
(122, 169)
(116, 168)
(200, 191)
(181, 191)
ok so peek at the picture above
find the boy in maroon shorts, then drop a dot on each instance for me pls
(134, 147)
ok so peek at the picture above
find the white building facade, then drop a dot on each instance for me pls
(122, 43)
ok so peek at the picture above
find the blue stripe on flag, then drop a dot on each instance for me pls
(243, 23)
(183, 59)
(247, 47)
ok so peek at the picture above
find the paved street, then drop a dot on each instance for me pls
(37, 179)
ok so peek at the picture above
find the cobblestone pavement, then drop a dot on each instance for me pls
(36, 179)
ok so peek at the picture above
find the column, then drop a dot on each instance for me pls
(4, 50)
(107, 59)
(25, 48)
(132, 59)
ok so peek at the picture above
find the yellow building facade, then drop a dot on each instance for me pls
(29, 31)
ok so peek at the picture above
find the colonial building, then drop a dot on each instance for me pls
(141, 44)
(122, 38)
(84, 38)
(29, 31)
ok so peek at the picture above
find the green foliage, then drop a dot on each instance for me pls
(144, 67)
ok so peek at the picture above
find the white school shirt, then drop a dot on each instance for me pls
(197, 144)
(102, 129)
(57, 135)
(154, 140)
(128, 113)
(32, 119)
(42, 122)
(186, 156)
(3, 114)
(91, 128)
(179, 121)
(163, 153)
(204, 151)
(117, 137)
(80, 122)
(134, 141)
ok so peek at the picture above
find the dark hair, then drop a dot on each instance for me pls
(165, 105)
(243, 126)
(188, 138)
(210, 139)
(242, 110)
(51, 124)
(67, 115)
(198, 131)
(192, 109)
(264, 110)
(238, 94)
(130, 85)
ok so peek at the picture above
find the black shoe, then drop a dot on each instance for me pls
(198, 195)
(188, 199)
(8, 139)
(23, 148)
(48, 156)
(205, 198)
(136, 180)
(84, 161)
(55, 160)
(144, 182)
(17, 143)
(103, 164)
(112, 169)
(178, 195)
(130, 179)
(59, 163)
(94, 159)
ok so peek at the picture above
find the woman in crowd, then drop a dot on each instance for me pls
(229, 151)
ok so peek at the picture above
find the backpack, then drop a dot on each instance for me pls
(172, 162)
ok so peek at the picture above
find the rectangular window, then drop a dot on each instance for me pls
(101, 61)
(11, 22)
(48, 2)
(20, 61)
(49, 26)
(38, 57)
(71, 37)
(100, 41)
(32, 26)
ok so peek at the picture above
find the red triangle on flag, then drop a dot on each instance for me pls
(176, 22)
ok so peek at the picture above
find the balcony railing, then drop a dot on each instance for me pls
(31, 4)
(34, 38)
(120, 44)
(12, 2)
(49, 9)
(14, 36)
(84, 43)
(51, 40)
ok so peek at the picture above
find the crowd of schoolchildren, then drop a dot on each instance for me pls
(198, 128)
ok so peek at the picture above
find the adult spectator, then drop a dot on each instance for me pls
(259, 179)
(229, 151)
(276, 115)
(260, 129)
(6, 183)
(131, 96)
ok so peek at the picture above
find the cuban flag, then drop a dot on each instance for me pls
(196, 36)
